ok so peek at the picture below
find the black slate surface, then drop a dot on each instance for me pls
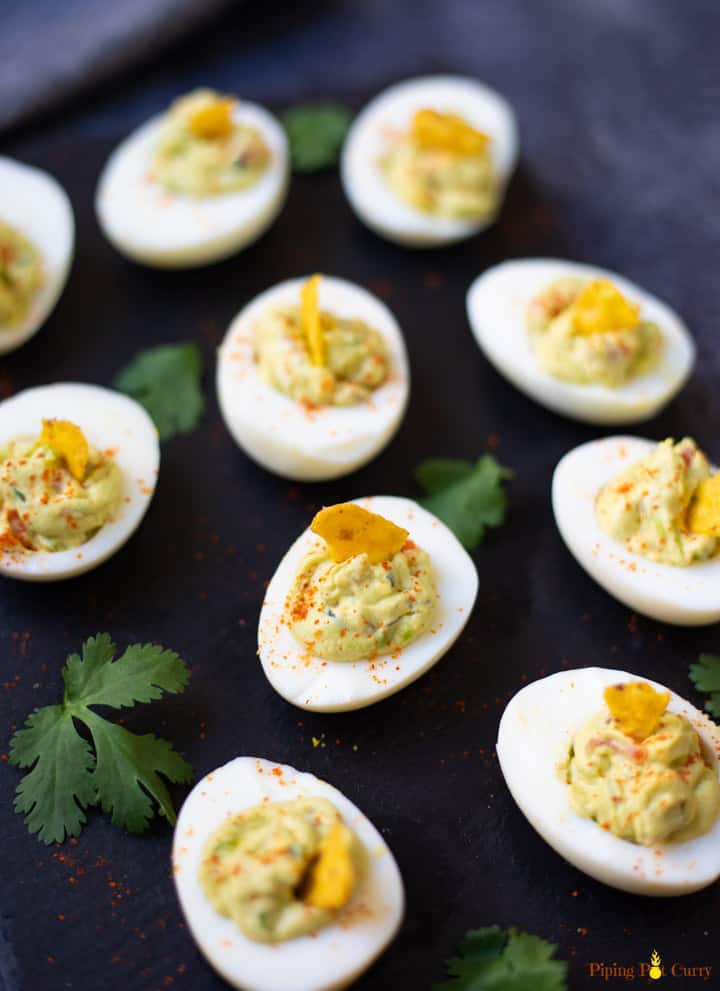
(620, 166)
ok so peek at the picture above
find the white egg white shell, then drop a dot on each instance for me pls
(110, 421)
(687, 596)
(328, 960)
(339, 686)
(497, 303)
(165, 230)
(390, 112)
(534, 739)
(279, 433)
(37, 206)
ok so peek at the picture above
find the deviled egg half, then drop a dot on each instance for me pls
(643, 519)
(78, 468)
(366, 600)
(619, 776)
(37, 237)
(313, 378)
(195, 184)
(580, 340)
(427, 161)
(284, 883)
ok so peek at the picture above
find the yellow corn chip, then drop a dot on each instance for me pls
(310, 316)
(636, 707)
(214, 120)
(446, 132)
(704, 511)
(67, 442)
(332, 879)
(600, 308)
(350, 530)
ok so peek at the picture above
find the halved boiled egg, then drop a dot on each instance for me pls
(600, 371)
(326, 959)
(364, 602)
(195, 184)
(549, 717)
(427, 161)
(37, 236)
(687, 595)
(78, 468)
(310, 414)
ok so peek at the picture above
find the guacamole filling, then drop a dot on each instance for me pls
(353, 609)
(203, 151)
(645, 506)
(658, 790)
(43, 506)
(21, 274)
(356, 360)
(443, 167)
(585, 331)
(282, 869)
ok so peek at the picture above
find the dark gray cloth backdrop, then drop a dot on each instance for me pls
(51, 50)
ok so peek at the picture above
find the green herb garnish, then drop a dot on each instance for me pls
(705, 675)
(469, 498)
(316, 132)
(493, 960)
(117, 770)
(166, 381)
(19, 495)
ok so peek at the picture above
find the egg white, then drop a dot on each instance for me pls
(338, 953)
(109, 420)
(686, 596)
(313, 683)
(278, 432)
(167, 230)
(497, 304)
(37, 206)
(534, 739)
(367, 191)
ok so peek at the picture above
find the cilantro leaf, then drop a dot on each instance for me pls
(127, 770)
(705, 675)
(315, 133)
(469, 498)
(142, 674)
(122, 773)
(492, 960)
(166, 381)
(54, 794)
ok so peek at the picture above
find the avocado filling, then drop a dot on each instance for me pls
(204, 151)
(282, 869)
(658, 790)
(21, 274)
(352, 609)
(585, 331)
(646, 505)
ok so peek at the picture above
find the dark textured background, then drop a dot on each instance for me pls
(617, 105)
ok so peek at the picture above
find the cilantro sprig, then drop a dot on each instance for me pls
(705, 675)
(166, 381)
(115, 769)
(468, 497)
(315, 134)
(493, 960)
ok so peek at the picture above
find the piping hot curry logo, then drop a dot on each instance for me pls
(652, 969)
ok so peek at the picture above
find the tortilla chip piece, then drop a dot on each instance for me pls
(310, 316)
(67, 442)
(600, 308)
(332, 879)
(636, 707)
(350, 530)
(214, 120)
(446, 132)
(704, 511)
